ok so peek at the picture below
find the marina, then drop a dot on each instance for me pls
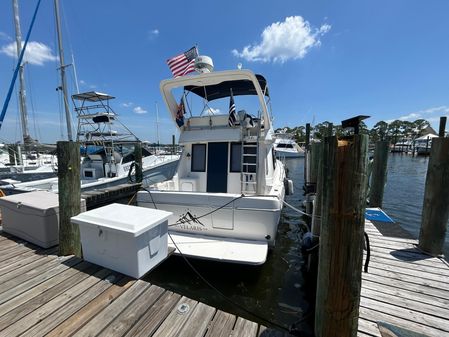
(43, 294)
(232, 229)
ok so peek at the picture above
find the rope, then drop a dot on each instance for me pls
(368, 253)
(210, 285)
(297, 210)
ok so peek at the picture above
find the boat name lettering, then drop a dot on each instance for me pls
(191, 228)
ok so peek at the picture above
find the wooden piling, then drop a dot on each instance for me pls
(379, 174)
(69, 185)
(315, 155)
(316, 216)
(436, 199)
(341, 239)
(138, 161)
(442, 126)
(306, 154)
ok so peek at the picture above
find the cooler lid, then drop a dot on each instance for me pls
(36, 199)
(122, 218)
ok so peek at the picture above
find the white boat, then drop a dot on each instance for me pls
(228, 191)
(423, 144)
(286, 147)
(30, 159)
(108, 153)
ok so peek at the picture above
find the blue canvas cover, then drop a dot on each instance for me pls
(376, 214)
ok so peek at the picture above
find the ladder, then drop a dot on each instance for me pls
(248, 177)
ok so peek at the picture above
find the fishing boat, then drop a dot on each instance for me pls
(108, 151)
(286, 147)
(227, 194)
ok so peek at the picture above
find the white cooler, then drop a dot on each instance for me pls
(129, 239)
(33, 216)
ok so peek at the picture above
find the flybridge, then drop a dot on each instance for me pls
(250, 90)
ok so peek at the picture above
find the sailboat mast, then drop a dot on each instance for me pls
(157, 124)
(62, 72)
(22, 92)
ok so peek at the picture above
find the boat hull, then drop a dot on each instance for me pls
(253, 218)
(156, 173)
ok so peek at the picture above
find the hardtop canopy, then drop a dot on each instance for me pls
(223, 89)
(92, 96)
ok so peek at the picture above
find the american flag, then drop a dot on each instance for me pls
(232, 120)
(184, 63)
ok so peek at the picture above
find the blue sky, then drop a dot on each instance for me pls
(324, 60)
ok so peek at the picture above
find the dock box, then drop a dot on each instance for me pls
(129, 239)
(33, 216)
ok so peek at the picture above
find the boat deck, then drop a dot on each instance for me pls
(42, 294)
(403, 287)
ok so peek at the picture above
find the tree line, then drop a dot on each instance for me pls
(394, 131)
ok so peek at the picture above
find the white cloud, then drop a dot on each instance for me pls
(410, 117)
(139, 110)
(152, 34)
(36, 53)
(4, 36)
(423, 114)
(282, 41)
(88, 85)
(127, 104)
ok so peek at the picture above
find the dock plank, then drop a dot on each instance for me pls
(37, 302)
(398, 290)
(107, 315)
(221, 325)
(123, 322)
(176, 319)
(21, 260)
(46, 286)
(56, 303)
(154, 317)
(244, 328)
(403, 287)
(59, 316)
(375, 316)
(198, 322)
(63, 265)
(24, 271)
(84, 315)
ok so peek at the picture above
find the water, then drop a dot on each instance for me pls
(404, 192)
(275, 291)
(278, 291)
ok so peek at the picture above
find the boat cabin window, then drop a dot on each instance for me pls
(236, 157)
(198, 161)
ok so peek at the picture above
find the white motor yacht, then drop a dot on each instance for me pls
(228, 191)
(286, 147)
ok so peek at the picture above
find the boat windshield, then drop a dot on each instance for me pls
(218, 104)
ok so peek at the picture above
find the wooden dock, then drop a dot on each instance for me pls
(404, 287)
(42, 294)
